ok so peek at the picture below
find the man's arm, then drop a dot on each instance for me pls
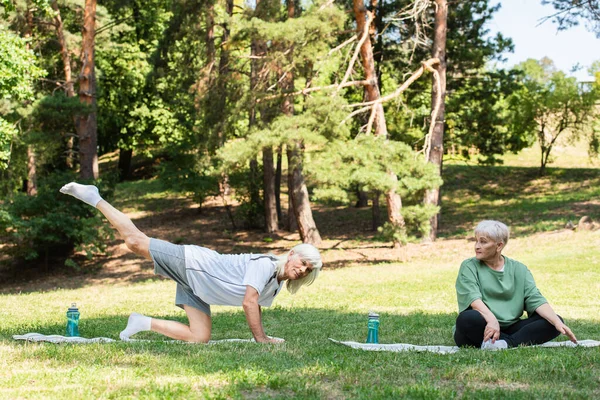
(253, 316)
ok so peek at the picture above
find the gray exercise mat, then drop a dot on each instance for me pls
(38, 337)
(397, 347)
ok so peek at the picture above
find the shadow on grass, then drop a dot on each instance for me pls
(308, 365)
(297, 326)
(518, 196)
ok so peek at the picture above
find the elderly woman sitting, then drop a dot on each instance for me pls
(493, 291)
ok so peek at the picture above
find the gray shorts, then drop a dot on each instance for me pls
(169, 261)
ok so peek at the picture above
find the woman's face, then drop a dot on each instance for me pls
(296, 268)
(486, 248)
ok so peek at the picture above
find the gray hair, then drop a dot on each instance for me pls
(495, 230)
(308, 253)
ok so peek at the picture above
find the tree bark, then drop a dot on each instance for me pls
(278, 171)
(254, 189)
(64, 51)
(299, 195)
(31, 157)
(436, 150)
(31, 172)
(271, 220)
(87, 125)
(376, 211)
(300, 201)
(362, 198)
(364, 16)
(66, 59)
(368, 62)
(125, 157)
(222, 79)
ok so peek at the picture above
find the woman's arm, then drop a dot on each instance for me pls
(253, 316)
(545, 311)
(492, 329)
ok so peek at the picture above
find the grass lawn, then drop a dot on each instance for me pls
(413, 293)
(416, 301)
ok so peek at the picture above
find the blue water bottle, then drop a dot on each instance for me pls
(373, 325)
(73, 320)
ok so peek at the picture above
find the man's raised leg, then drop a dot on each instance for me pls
(135, 239)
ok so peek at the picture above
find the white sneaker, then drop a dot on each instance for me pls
(498, 345)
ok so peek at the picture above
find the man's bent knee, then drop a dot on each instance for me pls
(139, 244)
(199, 338)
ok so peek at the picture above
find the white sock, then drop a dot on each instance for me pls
(86, 193)
(497, 345)
(136, 323)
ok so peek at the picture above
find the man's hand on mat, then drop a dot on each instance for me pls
(562, 328)
(492, 331)
(269, 339)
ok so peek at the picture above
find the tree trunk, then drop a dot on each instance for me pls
(299, 195)
(362, 198)
(300, 201)
(271, 221)
(87, 125)
(66, 59)
(362, 15)
(222, 79)
(376, 211)
(368, 63)
(278, 168)
(124, 167)
(31, 172)
(254, 189)
(436, 153)
(31, 157)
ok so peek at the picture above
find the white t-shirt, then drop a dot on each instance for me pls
(221, 279)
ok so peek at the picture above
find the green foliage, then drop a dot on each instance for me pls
(571, 13)
(476, 108)
(18, 71)
(551, 104)
(17, 67)
(52, 224)
(7, 132)
(187, 173)
(481, 121)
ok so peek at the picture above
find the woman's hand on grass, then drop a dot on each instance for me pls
(563, 329)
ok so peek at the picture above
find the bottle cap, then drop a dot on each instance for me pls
(373, 315)
(73, 307)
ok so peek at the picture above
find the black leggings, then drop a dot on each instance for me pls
(470, 326)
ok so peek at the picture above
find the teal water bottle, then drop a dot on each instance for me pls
(73, 320)
(373, 325)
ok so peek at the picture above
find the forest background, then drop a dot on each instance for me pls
(344, 104)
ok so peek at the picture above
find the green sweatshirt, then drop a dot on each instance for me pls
(507, 294)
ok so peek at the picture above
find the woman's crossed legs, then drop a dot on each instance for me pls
(470, 326)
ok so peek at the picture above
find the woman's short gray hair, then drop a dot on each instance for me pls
(308, 253)
(495, 230)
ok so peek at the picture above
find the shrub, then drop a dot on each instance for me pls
(51, 224)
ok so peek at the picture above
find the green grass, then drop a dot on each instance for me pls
(517, 196)
(416, 301)
(417, 304)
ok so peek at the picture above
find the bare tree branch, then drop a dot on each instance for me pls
(305, 91)
(364, 37)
